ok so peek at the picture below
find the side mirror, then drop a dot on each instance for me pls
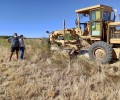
(115, 11)
(76, 22)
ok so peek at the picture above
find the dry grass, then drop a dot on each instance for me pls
(45, 76)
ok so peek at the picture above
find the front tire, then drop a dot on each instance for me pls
(101, 51)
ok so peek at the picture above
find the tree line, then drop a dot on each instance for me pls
(5, 37)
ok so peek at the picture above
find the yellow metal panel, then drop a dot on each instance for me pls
(98, 27)
(114, 23)
(115, 41)
(95, 38)
(117, 51)
(93, 7)
(85, 37)
(97, 15)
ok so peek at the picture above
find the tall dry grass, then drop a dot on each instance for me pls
(45, 76)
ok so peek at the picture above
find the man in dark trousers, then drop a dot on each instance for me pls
(14, 45)
(22, 47)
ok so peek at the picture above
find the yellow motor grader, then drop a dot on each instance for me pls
(99, 30)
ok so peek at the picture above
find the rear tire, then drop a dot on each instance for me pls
(101, 51)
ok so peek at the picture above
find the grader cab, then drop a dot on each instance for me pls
(96, 25)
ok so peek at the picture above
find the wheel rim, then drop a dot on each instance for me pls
(99, 53)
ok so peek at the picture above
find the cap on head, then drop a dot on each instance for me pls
(21, 35)
(15, 34)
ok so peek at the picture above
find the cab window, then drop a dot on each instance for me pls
(106, 16)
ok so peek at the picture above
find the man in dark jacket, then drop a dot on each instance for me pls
(14, 45)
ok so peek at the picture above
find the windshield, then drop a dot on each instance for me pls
(112, 15)
(84, 18)
(106, 16)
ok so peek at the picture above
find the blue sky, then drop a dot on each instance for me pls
(33, 18)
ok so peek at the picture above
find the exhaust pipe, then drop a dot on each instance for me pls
(119, 17)
(64, 24)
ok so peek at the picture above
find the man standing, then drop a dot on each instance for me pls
(22, 47)
(14, 45)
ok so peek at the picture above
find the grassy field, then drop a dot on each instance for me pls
(54, 76)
